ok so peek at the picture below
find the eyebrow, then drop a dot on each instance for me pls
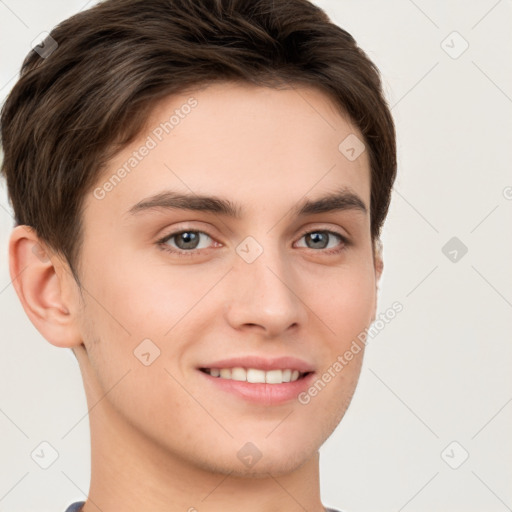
(341, 200)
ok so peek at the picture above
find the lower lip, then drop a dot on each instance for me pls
(266, 394)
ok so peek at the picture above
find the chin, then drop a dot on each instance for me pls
(277, 459)
(270, 465)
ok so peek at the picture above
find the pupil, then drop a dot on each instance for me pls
(188, 237)
(318, 237)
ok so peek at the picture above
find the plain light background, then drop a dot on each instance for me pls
(436, 385)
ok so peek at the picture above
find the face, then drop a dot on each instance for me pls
(254, 279)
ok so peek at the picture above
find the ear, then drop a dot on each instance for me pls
(378, 260)
(45, 287)
(378, 263)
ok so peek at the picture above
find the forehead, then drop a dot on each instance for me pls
(259, 146)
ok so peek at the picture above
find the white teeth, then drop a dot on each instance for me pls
(254, 376)
(274, 377)
(238, 374)
(225, 373)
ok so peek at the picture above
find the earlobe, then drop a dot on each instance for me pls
(378, 260)
(37, 276)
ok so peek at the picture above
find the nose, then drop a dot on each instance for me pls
(265, 295)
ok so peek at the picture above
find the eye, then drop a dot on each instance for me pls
(321, 239)
(188, 242)
(184, 242)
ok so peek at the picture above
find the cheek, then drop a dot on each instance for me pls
(138, 298)
(342, 300)
(134, 310)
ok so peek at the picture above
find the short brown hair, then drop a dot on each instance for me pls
(71, 111)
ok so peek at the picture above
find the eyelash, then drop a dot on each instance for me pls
(193, 252)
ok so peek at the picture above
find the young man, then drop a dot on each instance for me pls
(199, 188)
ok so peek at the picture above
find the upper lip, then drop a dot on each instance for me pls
(261, 363)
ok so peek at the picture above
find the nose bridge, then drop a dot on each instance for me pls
(264, 293)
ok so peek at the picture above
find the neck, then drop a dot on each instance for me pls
(132, 472)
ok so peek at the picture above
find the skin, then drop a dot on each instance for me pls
(161, 439)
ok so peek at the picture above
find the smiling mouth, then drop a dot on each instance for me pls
(255, 375)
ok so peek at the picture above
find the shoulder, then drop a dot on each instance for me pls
(75, 507)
